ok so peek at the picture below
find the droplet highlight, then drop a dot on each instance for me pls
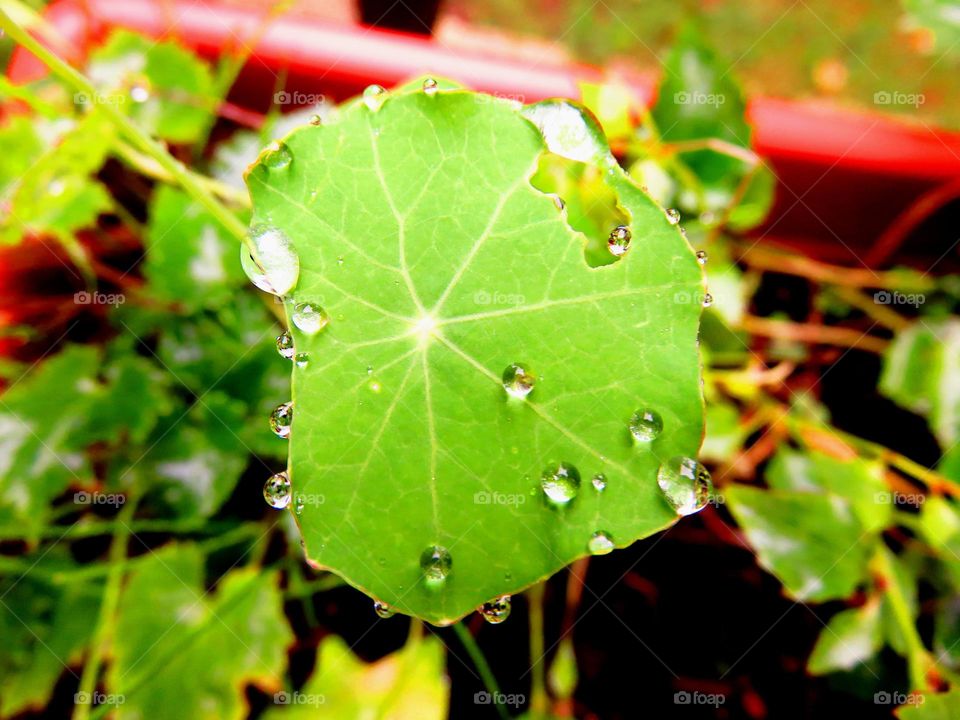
(646, 425)
(436, 564)
(276, 491)
(281, 419)
(600, 543)
(497, 610)
(518, 381)
(685, 484)
(310, 318)
(619, 241)
(560, 483)
(274, 267)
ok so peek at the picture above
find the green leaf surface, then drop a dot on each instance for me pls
(182, 653)
(945, 706)
(920, 368)
(813, 543)
(850, 638)
(439, 265)
(406, 685)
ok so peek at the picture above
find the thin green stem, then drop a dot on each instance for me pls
(483, 667)
(108, 609)
(137, 137)
(539, 700)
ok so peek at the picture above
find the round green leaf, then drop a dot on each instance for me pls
(438, 266)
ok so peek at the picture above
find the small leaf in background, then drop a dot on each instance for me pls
(813, 543)
(190, 259)
(181, 652)
(562, 675)
(166, 89)
(941, 18)
(919, 371)
(409, 684)
(724, 435)
(849, 639)
(437, 267)
(859, 482)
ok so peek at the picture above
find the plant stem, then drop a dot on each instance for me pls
(812, 333)
(483, 667)
(539, 700)
(108, 610)
(137, 137)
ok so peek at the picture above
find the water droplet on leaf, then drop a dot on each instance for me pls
(430, 86)
(301, 359)
(276, 491)
(645, 425)
(278, 156)
(285, 345)
(600, 543)
(685, 484)
(518, 381)
(373, 97)
(560, 483)
(702, 257)
(707, 300)
(619, 241)
(281, 418)
(599, 482)
(673, 215)
(316, 120)
(310, 318)
(496, 611)
(276, 267)
(436, 563)
(383, 610)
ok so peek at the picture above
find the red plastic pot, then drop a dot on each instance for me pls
(843, 176)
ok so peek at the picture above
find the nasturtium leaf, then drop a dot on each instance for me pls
(181, 652)
(406, 685)
(44, 630)
(813, 543)
(190, 259)
(859, 482)
(166, 89)
(919, 371)
(438, 265)
(850, 638)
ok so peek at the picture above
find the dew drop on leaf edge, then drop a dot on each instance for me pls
(383, 610)
(285, 345)
(518, 381)
(646, 425)
(281, 419)
(278, 156)
(673, 215)
(436, 563)
(685, 484)
(301, 359)
(373, 97)
(600, 543)
(497, 610)
(276, 491)
(310, 317)
(707, 300)
(560, 483)
(430, 86)
(275, 267)
(702, 257)
(619, 241)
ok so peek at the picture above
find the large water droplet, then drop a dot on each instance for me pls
(600, 543)
(383, 610)
(702, 257)
(285, 345)
(276, 491)
(281, 418)
(373, 97)
(518, 381)
(599, 482)
(560, 483)
(430, 86)
(276, 266)
(278, 156)
(673, 215)
(310, 318)
(569, 131)
(436, 564)
(496, 611)
(619, 241)
(645, 425)
(685, 484)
